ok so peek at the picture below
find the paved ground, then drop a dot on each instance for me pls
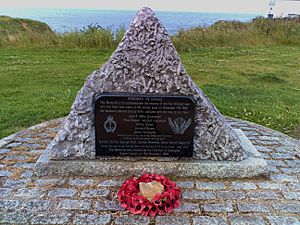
(28, 199)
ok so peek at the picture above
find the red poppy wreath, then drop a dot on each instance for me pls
(149, 195)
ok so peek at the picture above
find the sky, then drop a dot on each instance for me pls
(285, 7)
(158, 5)
(239, 6)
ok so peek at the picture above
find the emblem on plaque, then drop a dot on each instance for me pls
(179, 125)
(110, 125)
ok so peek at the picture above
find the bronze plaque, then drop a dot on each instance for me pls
(144, 125)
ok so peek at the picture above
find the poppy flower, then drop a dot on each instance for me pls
(161, 210)
(131, 208)
(175, 199)
(157, 201)
(165, 195)
(160, 204)
(124, 203)
(138, 200)
(121, 194)
(146, 209)
(132, 188)
(139, 208)
(175, 202)
(145, 178)
(170, 185)
(169, 207)
(153, 211)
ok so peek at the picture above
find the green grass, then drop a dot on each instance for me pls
(259, 84)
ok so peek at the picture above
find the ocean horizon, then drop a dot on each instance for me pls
(64, 20)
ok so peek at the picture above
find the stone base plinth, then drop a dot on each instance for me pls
(254, 165)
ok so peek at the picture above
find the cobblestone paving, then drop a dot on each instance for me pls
(28, 199)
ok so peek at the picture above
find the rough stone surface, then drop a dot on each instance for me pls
(81, 182)
(5, 192)
(26, 174)
(75, 204)
(172, 220)
(267, 195)
(108, 205)
(228, 195)
(62, 192)
(4, 173)
(294, 186)
(291, 195)
(243, 185)
(253, 208)
(95, 193)
(280, 220)
(283, 178)
(254, 165)
(145, 62)
(247, 220)
(9, 183)
(185, 184)
(188, 207)
(47, 182)
(111, 182)
(15, 157)
(24, 165)
(222, 204)
(4, 151)
(218, 208)
(210, 185)
(83, 219)
(28, 193)
(290, 208)
(37, 205)
(8, 205)
(207, 220)
(271, 185)
(17, 217)
(132, 220)
(52, 218)
(198, 195)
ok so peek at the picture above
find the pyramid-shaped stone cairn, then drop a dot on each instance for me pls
(145, 62)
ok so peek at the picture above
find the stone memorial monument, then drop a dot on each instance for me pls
(141, 112)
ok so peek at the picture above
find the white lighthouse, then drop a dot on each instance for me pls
(271, 9)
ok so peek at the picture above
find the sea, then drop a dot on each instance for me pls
(64, 20)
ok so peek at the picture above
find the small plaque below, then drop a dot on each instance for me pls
(144, 125)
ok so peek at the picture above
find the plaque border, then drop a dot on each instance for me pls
(123, 94)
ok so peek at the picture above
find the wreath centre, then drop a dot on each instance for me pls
(150, 189)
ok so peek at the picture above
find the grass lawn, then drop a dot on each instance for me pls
(259, 84)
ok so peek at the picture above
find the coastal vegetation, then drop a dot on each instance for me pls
(258, 32)
(255, 78)
(21, 33)
(25, 33)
